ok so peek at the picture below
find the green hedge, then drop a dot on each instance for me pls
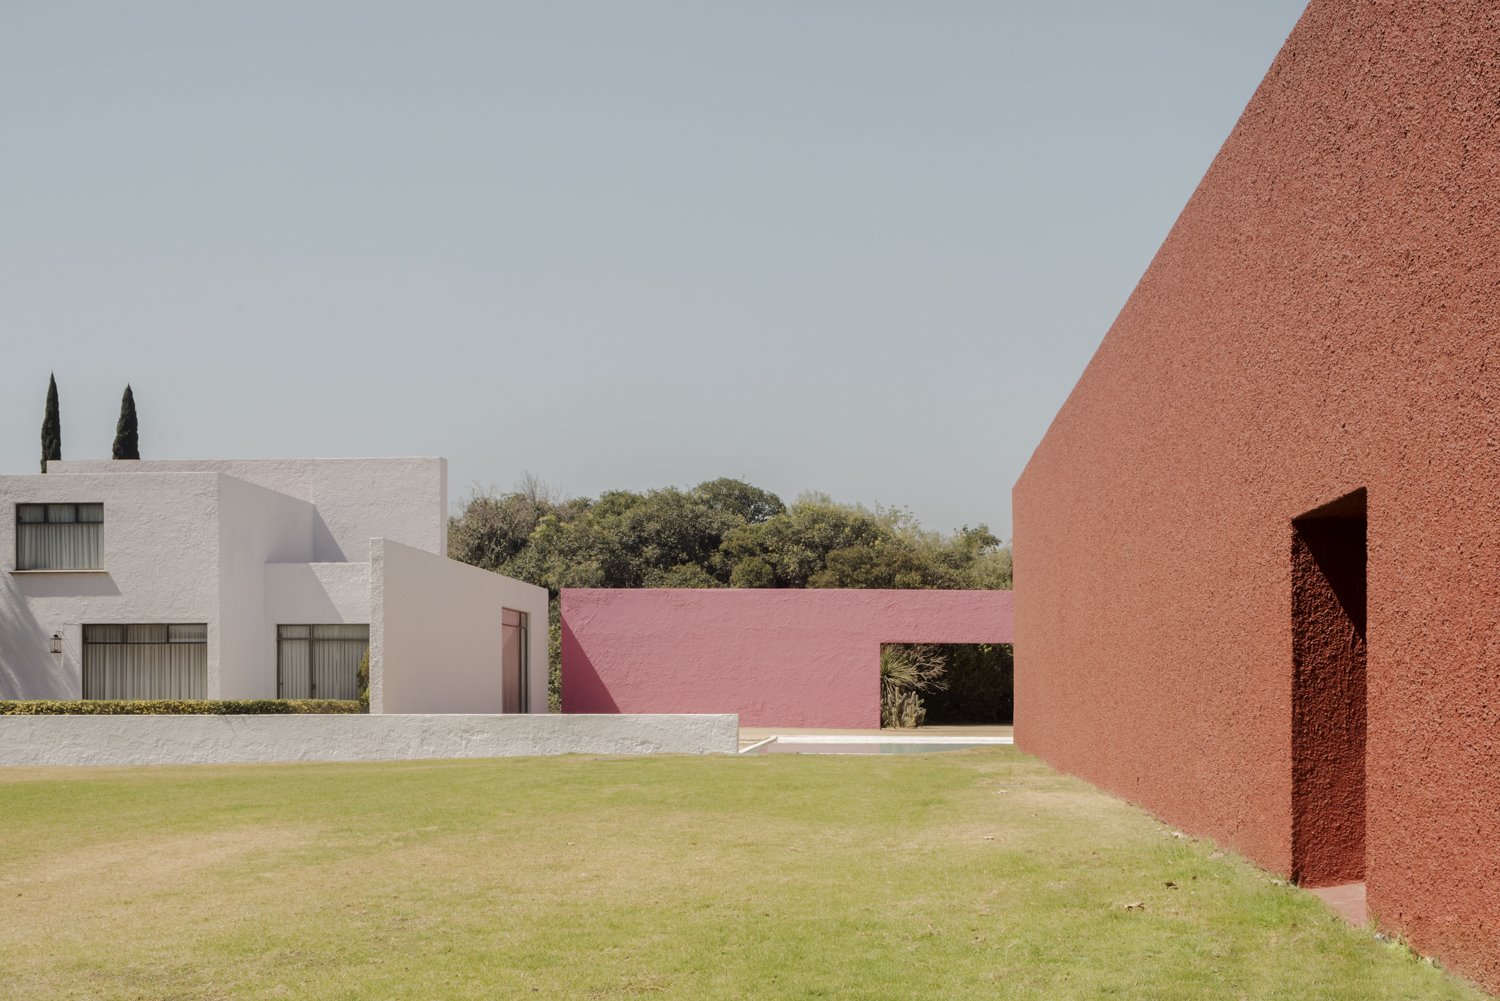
(188, 707)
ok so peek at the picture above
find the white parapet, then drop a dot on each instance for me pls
(205, 740)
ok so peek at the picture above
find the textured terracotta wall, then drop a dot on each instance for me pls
(1321, 318)
(776, 657)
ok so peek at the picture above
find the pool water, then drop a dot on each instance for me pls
(792, 746)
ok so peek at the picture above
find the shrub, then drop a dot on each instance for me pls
(182, 707)
(362, 681)
(901, 710)
(907, 670)
(554, 655)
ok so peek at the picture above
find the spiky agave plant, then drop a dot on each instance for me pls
(906, 671)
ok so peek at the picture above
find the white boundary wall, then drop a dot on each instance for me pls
(208, 740)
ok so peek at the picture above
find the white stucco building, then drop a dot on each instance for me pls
(257, 579)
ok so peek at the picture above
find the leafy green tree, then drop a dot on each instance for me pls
(667, 529)
(494, 528)
(127, 435)
(887, 564)
(51, 426)
(975, 554)
(682, 575)
(753, 571)
(795, 544)
(751, 505)
(720, 533)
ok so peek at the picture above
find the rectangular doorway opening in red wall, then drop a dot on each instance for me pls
(1328, 607)
(947, 684)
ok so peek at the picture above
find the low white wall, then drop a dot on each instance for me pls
(435, 633)
(204, 740)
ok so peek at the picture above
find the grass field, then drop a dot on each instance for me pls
(967, 874)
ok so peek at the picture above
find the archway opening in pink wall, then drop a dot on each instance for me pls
(976, 685)
(1329, 557)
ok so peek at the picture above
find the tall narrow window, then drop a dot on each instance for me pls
(58, 536)
(320, 662)
(145, 661)
(515, 630)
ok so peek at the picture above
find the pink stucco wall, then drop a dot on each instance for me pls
(776, 657)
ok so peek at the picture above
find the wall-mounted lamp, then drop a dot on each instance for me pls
(57, 642)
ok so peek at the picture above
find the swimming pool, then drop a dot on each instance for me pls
(870, 745)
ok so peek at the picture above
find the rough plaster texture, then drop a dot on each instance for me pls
(317, 593)
(405, 499)
(189, 542)
(177, 547)
(1323, 316)
(161, 567)
(805, 658)
(256, 526)
(435, 633)
(202, 740)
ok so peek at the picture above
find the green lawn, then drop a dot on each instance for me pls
(967, 874)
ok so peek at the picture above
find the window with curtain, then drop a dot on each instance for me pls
(58, 536)
(143, 661)
(320, 662)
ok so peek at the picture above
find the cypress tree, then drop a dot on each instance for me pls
(127, 437)
(51, 426)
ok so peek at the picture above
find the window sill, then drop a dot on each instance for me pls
(27, 572)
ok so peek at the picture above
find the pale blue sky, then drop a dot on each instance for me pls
(862, 248)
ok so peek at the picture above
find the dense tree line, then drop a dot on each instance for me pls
(722, 533)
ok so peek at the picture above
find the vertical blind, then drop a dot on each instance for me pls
(145, 661)
(320, 662)
(58, 536)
